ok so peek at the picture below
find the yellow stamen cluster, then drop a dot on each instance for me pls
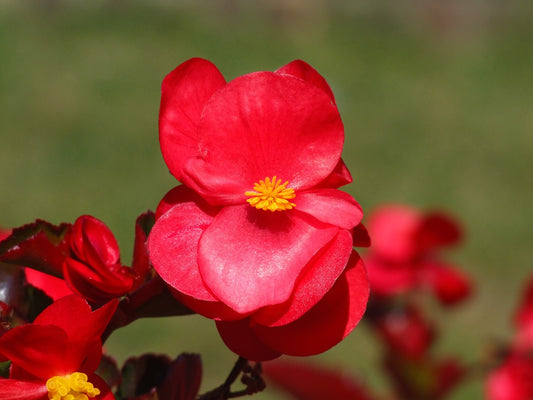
(271, 195)
(71, 387)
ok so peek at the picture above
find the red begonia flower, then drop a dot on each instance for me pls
(61, 348)
(259, 236)
(82, 257)
(513, 380)
(404, 254)
(94, 269)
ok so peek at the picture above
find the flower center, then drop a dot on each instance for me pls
(271, 195)
(71, 387)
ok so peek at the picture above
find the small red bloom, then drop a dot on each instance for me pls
(404, 254)
(258, 237)
(83, 258)
(58, 353)
(94, 269)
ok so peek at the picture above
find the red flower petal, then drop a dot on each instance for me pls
(251, 258)
(319, 276)
(263, 125)
(361, 237)
(98, 285)
(82, 326)
(393, 230)
(304, 71)
(330, 206)
(93, 242)
(313, 382)
(241, 339)
(449, 284)
(328, 322)
(390, 279)
(54, 287)
(438, 230)
(177, 195)
(12, 389)
(173, 246)
(339, 177)
(40, 350)
(185, 92)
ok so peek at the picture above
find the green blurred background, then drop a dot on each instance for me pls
(436, 98)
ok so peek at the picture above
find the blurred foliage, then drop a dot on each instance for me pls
(436, 98)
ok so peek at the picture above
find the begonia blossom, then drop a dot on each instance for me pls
(405, 254)
(55, 356)
(259, 237)
(83, 258)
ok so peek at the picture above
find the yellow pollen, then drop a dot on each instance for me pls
(71, 387)
(271, 195)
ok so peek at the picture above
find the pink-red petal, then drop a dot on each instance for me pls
(185, 91)
(319, 276)
(328, 322)
(241, 339)
(330, 206)
(40, 350)
(251, 258)
(263, 125)
(82, 326)
(12, 389)
(302, 70)
(173, 247)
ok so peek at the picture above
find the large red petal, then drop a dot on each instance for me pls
(330, 206)
(304, 71)
(328, 322)
(318, 278)
(185, 92)
(263, 125)
(173, 247)
(12, 389)
(251, 258)
(40, 350)
(177, 195)
(241, 339)
(82, 326)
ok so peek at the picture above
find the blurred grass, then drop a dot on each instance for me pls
(437, 104)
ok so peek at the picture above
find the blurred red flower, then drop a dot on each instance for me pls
(258, 237)
(512, 379)
(57, 354)
(306, 381)
(405, 254)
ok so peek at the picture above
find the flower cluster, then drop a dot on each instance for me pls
(258, 237)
